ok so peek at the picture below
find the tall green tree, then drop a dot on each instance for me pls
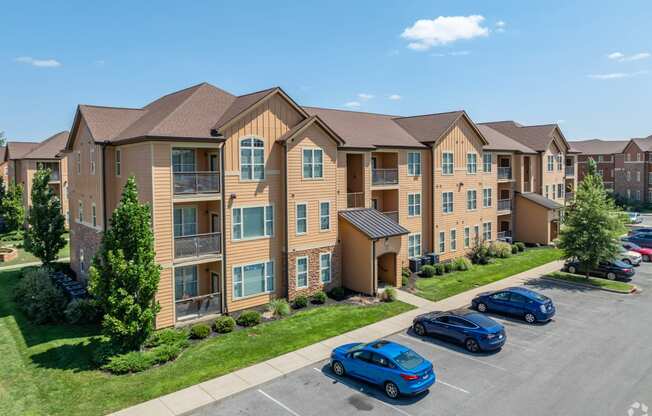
(46, 224)
(124, 276)
(12, 209)
(592, 223)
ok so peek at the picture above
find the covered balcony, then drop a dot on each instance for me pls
(386, 201)
(197, 231)
(355, 197)
(55, 174)
(384, 169)
(505, 168)
(197, 291)
(195, 171)
(504, 205)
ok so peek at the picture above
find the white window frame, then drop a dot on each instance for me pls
(82, 266)
(414, 243)
(91, 155)
(445, 204)
(471, 163)
(78, 162)
(442, 242)
(414, 164)
(118, 162)
(297, 218)
(468, 200)
(322, 216)
(94, 215)
(267, 223)
(447, 167)
(486, 231)
(467, 237)
(322, 268)
(453, 239)
(253, 150)
(551, 163)
(182, 209)
(486, 164)
(476, 232)
(312, 164)
(487, 198)
(269, 288)
(414, 206)
(307, 272)
(80, 212)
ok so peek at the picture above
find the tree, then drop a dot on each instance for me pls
(124, 276)
(11, 206)
(46, 224)
(592, 224)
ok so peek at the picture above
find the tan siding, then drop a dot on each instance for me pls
(357, 259)
(162, 201)
(165, 297)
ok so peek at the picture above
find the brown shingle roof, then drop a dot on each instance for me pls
(105, 123)
(535, 137)
(49, 148)
(430, 127)
(499, 141)
(599, 147)
(240, 104)
(16, 150)
(645, 144)
(3, 151)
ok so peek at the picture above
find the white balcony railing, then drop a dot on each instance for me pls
(504, 205)
(195, 307)
(355, 200)
(186, 183)
(504, 173)
(384, 176)
(527, 187)
(197, 245)
(570, 170)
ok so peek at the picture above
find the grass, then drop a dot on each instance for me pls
(46, 369)
(621, 287)
(440, 287)
(15, 240)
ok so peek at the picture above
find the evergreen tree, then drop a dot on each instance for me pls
(592, 223)
(124, 276)
(11, 206)
(46, 224)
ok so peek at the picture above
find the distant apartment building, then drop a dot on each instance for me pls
(255, 197)
(608, 155)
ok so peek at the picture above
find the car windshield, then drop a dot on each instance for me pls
(621, 264)
(539, 297)
(408, 359)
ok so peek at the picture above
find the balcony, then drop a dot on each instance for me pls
(569, 196)
(504, 173)
(355, 200)
(196, 307)
(393, 215)
(527, 187)
(382, 177)
(503, 235)
(570, 170)
(198, 245)
(504, 205)
(192, 183)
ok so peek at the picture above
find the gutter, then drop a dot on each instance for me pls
(104, 144)
(432, 197)
(225, 307)
(286, 273)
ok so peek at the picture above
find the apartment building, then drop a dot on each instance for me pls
(606, 153)
(633, 179)
(255, 197)
(4, 165)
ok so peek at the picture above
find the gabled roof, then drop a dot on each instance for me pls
(49, 148)
(599, 147)
(499, 141)
(541, 200)
(645, 143)
(429, 128)
(372, 223)
(307, 123)
(16, 150)
(535, 137)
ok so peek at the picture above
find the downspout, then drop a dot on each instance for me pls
(432, 198)
(225, 308)
(104, 144)
(374, 281)
(286, 273)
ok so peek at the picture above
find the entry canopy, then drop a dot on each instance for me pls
(372, 223)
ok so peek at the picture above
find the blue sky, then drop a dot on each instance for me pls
(586, 67)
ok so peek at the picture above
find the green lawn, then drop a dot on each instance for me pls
(24, 256)
(621, 287)
(46, 369)
(441, 287)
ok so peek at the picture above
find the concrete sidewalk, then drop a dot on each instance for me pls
(33, 263)
(218, 388)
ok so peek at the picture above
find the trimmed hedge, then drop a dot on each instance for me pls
(388, 295)
(319, 298)
(300, 302)
(428, 271)
(249, 318)
(200, 331)
(224, 324)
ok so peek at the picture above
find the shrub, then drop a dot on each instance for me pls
(319, 298)
(164, 353)
(428, 271)
(131, 362)
(514, 249)
(448, 267)
(479, 253)
(279, 308)
(168, 337)
(405, 281)
(388, 295)
(39, 299)
(249, 318)
(103, 350)
(83, 311)
(299, 302)
(500, 249)
(439, 269)
(405, 272)
(224, 324)
(200, 331)
(338, 293)
(520, 246)
(462, 264)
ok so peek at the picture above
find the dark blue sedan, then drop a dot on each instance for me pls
(517, 301)
(474, 330)
(396, 368)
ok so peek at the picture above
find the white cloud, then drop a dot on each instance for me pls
(500, 26)
(621, 57)
(365, 97)
(425, 34)
(41, 63)
(454, 53)
(617, 75)
(615, 55)
(394, 97)
(352, 104)
(100, 62)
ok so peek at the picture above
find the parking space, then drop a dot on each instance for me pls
(594, 358)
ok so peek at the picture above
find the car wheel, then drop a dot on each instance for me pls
(572, 269)
(419, 329)
(646, 258)
(482, 307)
(472, 345)
(391, 390)
(611, 276)
(628, 261)
(530, 318)
(338, 368)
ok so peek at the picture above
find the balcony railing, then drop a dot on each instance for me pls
(393, 215)
(384, 176)
(527, 187)
(569, 196)
(570, 170)
(198, 306)
(504, 173)
(504, 205)
(355, 200)
(55, 176)
(197, 245)
(501, 235)
(186, 183)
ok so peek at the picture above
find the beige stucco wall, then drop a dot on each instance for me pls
(357, 259)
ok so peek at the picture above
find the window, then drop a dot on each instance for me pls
(82, 266)
(486, 162)
(638, 176)
(78, 162)
(253, 279)
(302, 218)
(628, 174)
(629, 194)
(638, 157)
(486, 197)
(471, 200)
(467, 237)
(649, 195)
(313, 164)
(324, 216)
(442, 241)
(302, 271)
(414, 164)
(628, 157)
(414, 245)
(183, 160)
(185, 221)
(453, 240)
(325, 267)
(559, 162)
(94, 215)
(600, 158)
(638, 195)
(80, 212)
(551, 163)
(447, 163)
(447, 202)
(252, 159)
(547, 190)
(185, 282)
(414, 205)
(560, 190)
(476, 232)
(253, 222)
(471, 163)
(92, 158)
(486, 231)
(118, 162)
(601, 173)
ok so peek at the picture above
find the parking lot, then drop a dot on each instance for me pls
(594, 358)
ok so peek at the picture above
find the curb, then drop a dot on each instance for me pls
(635, 289)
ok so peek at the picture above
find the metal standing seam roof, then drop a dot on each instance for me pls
(542, 200)
(374, 224)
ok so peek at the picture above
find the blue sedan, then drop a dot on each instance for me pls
(395, 367)
(474, 330)
(517, 301)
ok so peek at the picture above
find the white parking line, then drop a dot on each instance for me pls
(564, 318)
(292, 412)
(452, 386)
(453, 352)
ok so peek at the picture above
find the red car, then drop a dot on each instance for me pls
(646, 253)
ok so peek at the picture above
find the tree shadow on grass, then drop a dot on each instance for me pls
(77, 357)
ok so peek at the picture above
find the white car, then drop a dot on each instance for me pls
(630, 257)
(634, 217)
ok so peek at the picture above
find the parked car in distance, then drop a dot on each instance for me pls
(646, 253)
(397, 368)
(639, 230)
(641, 238)
(612, 270)
(634, 217)
(517, 301)
(474, 330)
(629, 257)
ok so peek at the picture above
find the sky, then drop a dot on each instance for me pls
(585, 66)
